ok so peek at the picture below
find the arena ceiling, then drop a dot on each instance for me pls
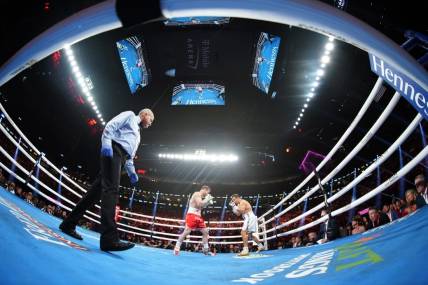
(47, 105)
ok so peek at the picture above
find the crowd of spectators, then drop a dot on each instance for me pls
(333, 228)
(368, 218)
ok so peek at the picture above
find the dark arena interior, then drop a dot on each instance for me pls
(213, 141)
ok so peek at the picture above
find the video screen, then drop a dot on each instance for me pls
(133, 63)
(264, 61)
(203, 20)
(198, 94)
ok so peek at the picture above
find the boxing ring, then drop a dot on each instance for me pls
(34, 251)
(33, 245)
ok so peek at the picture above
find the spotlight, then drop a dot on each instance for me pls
(316, 84)
(308, 99)
(294, 127)
(301, 115)
(317, 78)
(312, 89)
(78, 75)
(329, 46)
(305, 106)
(325, 59)
(330, 38)
(311, 95)
(320, 72)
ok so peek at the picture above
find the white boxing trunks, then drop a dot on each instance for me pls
(250, 223)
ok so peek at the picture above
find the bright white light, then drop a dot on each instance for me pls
(308, 99)
(95, 108)
(103, 123)
(301, 115)
(320, 72)
(311, 95)
(75, 69)
(85, 90)
(322, 65)
(327, 52)
(298, 119)
(73, 63)
(317, 78)
(316, 84)
(78, 75)
(68, 52)
(329, 46)
(305, 106)
(303, 110)
(325, 59)
(92, 103)
(201, 157)
(71, 58)
(99, 115)
(81, 81)
(312, 89)
(330, 38)
(297, 123)
(90, 98)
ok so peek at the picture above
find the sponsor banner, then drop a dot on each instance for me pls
(409, 89)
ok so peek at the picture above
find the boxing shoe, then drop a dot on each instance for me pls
(176, 251)
(244, 252)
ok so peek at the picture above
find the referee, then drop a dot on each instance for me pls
(120, 140)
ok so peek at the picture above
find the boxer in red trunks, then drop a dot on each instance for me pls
(194, 220)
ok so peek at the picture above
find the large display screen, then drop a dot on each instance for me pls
(133, 63)
(203, 20)
(198, 94)
(264, 61)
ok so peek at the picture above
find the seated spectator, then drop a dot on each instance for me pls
(411, 202)
(358, 225)
(312, 238)
(297, 242)
(377, 218)
(390, 212)
(366, 221)
(29, 198)
(18, 192)
(328, 230)
(290, 242)
(11, 187)
(398, 206)
(422, 190)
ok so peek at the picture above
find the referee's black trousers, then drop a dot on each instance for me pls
(106, 188)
